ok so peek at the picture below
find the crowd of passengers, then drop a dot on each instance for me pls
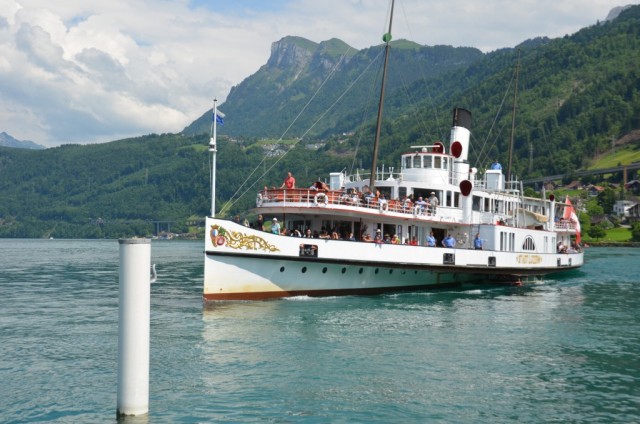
(336, 234)
(427, 205)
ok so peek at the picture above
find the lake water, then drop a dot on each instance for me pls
(562, 350)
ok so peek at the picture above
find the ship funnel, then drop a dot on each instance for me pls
(459, 147)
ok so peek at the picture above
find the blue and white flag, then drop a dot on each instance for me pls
(219, 117)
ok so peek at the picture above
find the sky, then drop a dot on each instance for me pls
(83, 71)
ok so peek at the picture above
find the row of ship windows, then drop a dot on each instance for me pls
(344, 270)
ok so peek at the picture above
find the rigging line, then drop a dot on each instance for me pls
(365, 112)
(495, 119)
(426, 86)
(231, 202)
(331, 73)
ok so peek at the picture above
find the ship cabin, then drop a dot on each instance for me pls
(495, 209)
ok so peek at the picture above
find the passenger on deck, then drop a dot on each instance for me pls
(449, 241)
(351, 237)
(433, 202)
(431, 240)
(275, 227)
(395, 239)
(260, 223)
(324, 234)
(496, 165)
(422, 203)
(413, 242)
(477, 242)
(289, 182)
(378, 237)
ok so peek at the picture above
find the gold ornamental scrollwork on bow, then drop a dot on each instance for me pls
(220, 236)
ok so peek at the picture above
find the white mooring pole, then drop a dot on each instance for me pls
(133, 327)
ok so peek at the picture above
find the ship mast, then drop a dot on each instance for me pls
(213, 150)
(513, 119)
(387, 39)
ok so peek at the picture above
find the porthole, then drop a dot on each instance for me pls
(360, 271)
(281, 269)
(376, 271)
(324, 270)
(304, 269)
(344, 270)
(390, 271)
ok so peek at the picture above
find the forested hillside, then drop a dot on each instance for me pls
(577, 95)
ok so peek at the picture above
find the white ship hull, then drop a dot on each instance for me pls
(242, 263)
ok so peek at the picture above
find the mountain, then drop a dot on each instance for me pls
(267, 102)
(7, 141)
(577, 95)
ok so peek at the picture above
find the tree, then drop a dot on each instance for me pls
(597, 232)
(635, 231)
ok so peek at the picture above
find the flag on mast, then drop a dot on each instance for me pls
(217, 118)
(570, 214)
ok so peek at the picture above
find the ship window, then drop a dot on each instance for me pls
(427, 162)
(437, 163)
(476, 202)
(281, 269)
(344, 270)
(445, 163)
(324, 270)
(528, 244)
(360, 271)
(304, 269)
(407, 162)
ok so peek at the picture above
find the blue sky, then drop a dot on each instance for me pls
(75, 71)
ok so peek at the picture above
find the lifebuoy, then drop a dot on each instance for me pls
(320, 199)
(383, 207)
(259, 200)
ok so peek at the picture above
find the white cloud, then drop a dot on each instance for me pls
(76, 71)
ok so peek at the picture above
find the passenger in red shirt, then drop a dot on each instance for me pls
(289, 182)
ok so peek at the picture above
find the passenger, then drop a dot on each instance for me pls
(422, 203)
(366, 237)
(236, 219)
(289, 182)
(387, 239)
(406, 203)
(307, 234)
(275, 227)
(395, 239)
(477, 242)
(335, 236)
(433, 202)
(449, 241)
(260, 223)
(431, 240)
(351, 237)
(496, 165)
(296, 233)
(378, 237)
(324, 234)
(413, 241)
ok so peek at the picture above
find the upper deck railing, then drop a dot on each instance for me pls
(324, 198)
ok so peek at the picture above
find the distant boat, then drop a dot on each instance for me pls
(519, 235)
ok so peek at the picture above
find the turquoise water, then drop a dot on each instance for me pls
(562, 350)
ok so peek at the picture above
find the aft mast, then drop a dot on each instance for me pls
(387, 39)
(513, 120)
